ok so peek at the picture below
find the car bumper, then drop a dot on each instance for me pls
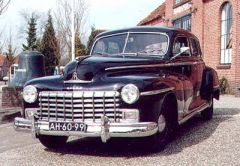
(105, 129)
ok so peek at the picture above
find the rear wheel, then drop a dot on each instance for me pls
(207, 114)
(52, 142)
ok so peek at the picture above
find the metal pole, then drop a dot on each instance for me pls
(73, 30)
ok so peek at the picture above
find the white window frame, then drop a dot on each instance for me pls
(226, 34)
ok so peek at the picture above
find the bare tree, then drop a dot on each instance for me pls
(2, 41)
(10, 54)
(63, 22)
(3, 5)
(11, 51)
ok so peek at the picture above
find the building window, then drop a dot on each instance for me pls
(179, 1)
(226, 34)
(183, 22)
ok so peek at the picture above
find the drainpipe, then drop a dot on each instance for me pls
(237, 73)
(203, 30)
(73, 30)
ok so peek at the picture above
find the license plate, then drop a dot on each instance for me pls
(67, 126)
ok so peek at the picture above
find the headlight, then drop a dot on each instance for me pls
(30, 94)
(130, 93)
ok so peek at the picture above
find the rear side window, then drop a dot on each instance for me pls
(194, 46)
(178, 44)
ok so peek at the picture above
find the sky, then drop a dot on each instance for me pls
(103, 14)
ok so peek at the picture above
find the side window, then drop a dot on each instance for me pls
(199, 49)
(113, 48)
(109, 48)
(100, 47)
(194, 47)
(178, 44)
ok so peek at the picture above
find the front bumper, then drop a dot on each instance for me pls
(105, 129)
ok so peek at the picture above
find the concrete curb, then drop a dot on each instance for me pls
(7, 115)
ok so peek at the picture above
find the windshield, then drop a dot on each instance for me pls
(133, 44)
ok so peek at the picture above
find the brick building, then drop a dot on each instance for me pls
(217, 25)
(4, 65)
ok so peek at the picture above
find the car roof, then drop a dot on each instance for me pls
(146, 29)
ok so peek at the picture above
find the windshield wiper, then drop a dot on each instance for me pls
(147, 51)
(100, 53)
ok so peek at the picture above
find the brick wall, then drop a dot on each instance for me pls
(11, 97)
(237, 58)
(206, 25)
(212, 40)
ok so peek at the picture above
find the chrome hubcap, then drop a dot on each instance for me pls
(161, 123)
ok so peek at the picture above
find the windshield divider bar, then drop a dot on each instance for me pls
(125, 45)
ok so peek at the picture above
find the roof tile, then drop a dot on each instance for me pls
(158, 12)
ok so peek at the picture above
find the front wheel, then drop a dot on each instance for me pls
(166, 126)
(52, 142)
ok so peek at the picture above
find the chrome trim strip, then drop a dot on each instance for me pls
(78, 94)
(194, 112)
(156, 91)
(21, 70)
(78, 81)
(87, 110)
(78, 100)
(155, 65)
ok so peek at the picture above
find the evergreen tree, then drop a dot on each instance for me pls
(39, 44)
(80, 49)
(49, 47)
(32, 36)
(91, 38)
(10, 55)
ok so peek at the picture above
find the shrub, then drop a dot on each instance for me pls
(224, 86)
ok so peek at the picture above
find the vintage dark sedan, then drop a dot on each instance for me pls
(136, 82)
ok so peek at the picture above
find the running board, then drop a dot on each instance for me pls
(194, 112)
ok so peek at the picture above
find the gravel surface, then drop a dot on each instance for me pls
(197, 142)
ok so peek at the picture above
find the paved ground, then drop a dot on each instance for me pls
(216, 142)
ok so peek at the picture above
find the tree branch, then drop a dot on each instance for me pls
(4, 5)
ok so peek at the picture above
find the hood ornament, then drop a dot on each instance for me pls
(74, 76)
(75, 79)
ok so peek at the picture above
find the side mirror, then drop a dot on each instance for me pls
(5, 78)
(182, 50)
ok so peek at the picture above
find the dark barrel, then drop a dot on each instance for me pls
(30, 65)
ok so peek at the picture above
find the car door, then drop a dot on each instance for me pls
(196, 77)
(190, 68)
(184, 65)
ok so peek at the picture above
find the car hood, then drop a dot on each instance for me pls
(94, 70)
(87, 68)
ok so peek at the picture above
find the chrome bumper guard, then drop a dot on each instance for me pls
(105, 129)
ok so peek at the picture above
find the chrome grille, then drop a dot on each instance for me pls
(79, 105)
